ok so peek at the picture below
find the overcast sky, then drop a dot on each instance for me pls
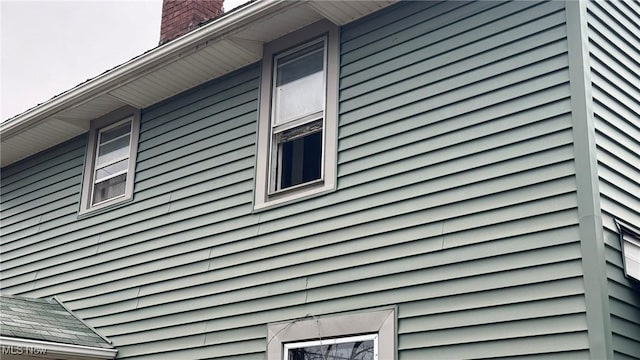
(49, 46)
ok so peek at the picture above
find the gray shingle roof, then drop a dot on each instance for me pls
(45, 320)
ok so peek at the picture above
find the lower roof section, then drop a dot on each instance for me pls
(46, 328)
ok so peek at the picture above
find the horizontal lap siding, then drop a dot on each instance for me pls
(463, 121)
(194, 183)
(455, 201)
(614, 36)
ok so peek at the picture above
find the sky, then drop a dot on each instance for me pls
(50, 46)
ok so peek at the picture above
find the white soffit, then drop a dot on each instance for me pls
(343, 12)
(56, 129)
(280, 23)
(191, 70)
(38, 138)
(220, 47)
(99, 105)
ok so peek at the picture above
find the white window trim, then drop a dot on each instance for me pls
(97, 125)
(327, 181)
(380, 322)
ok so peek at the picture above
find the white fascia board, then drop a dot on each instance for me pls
(136, 67)
(53, 350)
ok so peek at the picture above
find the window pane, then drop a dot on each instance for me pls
(109, 189)
(111, 169)
(115, 132)
(113, 150)
(301, 160)
(357, 350)
(300, 84)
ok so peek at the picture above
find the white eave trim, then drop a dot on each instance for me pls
(242, 32)
(136, 67)
(53, 350)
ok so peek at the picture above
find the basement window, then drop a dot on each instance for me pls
(110, 160)
(298, 110)
(365, 335)
(363, 347)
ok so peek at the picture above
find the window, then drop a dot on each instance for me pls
(367, 335)
(364, 347)
(110, 160)
(298, 110)
(630, 244)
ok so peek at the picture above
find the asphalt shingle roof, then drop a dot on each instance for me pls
(45, 320)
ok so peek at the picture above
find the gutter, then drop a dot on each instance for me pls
(136, 67)
(51, 350)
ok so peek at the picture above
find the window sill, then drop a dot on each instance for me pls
(106, 207)
(300, 193)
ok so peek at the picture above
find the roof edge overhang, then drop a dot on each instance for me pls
(52, 350)
(134, 67)
(225, 44)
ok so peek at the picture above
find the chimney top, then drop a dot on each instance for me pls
(181, 16)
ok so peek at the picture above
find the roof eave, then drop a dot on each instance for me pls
(219, 47)
(133, 68)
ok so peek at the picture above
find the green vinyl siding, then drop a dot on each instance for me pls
(456, 201)
(615, 72)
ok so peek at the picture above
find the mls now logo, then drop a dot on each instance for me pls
(23, 350)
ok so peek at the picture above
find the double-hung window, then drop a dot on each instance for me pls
(298, 116)
(298, 110)
(110, 160)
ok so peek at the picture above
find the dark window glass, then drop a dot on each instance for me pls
(357, 350)
(110, 188)
(301, 160)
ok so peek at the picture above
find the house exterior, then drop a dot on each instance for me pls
(466, 187)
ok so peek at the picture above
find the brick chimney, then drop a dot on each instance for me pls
(181, 16)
